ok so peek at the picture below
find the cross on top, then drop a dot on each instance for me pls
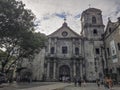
(64, 19)
(89, 5)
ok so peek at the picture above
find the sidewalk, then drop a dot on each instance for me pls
(4, 85)
(56, 86)
(90, 86)
(49, 87)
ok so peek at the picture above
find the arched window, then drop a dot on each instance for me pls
(97, 50)
(110, 30)
(94, 20)
(64, 49)
(76, 51)
(118, 46)
(52, 50)
(95, 32)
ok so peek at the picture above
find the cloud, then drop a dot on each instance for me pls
(77, 16)
(61, 15)
(52, 12)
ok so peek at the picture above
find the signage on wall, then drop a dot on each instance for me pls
(113, 51)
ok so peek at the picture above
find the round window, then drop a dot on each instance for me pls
(64, 33)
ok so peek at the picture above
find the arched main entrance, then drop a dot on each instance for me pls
(64, 73)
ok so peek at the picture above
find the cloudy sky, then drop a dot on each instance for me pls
(51, 13)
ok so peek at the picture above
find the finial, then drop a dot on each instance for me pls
(89, 5)
(64, 19)
(64, 24)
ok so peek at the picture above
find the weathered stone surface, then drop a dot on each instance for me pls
(87, 63)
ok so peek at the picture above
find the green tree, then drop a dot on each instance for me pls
(17, 36)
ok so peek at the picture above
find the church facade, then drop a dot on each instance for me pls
(70, 55)
(90, 55)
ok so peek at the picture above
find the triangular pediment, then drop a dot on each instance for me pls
(64, 32)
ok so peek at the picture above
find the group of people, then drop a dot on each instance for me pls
(78, 81)
(108, 83)
(65, 79)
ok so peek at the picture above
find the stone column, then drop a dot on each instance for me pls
(49, 45)
(48, 69)
(55, 45)
(81, 69)
(73, 46)
(74, 68)
(54, 70)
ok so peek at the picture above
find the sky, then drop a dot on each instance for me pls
(50, 14)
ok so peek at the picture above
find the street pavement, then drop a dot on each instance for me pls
(35, 86)
(57, 86)
(90, 86)
(17, 86)
(54, 86)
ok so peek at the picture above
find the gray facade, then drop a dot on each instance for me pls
(64, 55)
(69, 54)
(112, 49)
(92, 30)
(91, 55)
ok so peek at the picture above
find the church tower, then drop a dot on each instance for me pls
(92, 30)
(92, 23)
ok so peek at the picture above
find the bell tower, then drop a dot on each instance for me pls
(92, 23)
(92, 31)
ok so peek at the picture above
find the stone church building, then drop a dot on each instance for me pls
(69, 54)
(91, 54)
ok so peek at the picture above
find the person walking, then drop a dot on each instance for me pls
(84, 83)
(75, 81)
(110, 83)
(63, 78)
(106, 83)
(98, 82)
(79, 81)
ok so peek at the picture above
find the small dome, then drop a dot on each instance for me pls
(92, 10)
(89, 11)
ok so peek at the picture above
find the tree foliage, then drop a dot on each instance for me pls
(17, 36)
